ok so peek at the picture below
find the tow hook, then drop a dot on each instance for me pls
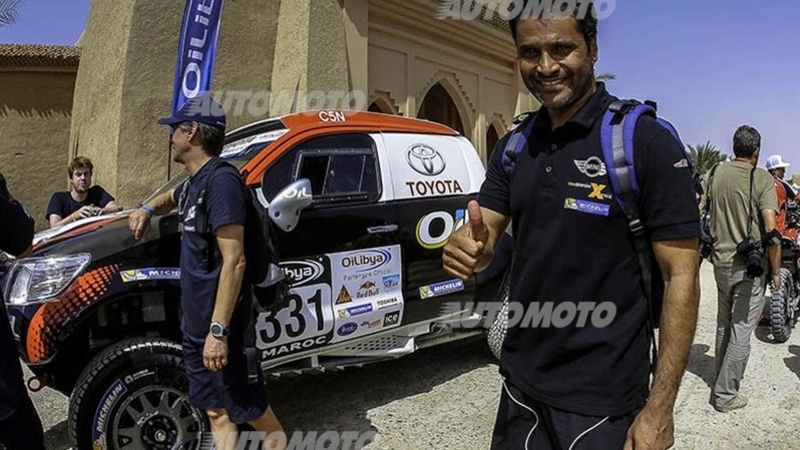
(36, 384)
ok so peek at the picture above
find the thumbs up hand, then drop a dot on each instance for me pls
(467, 247)
(477, 229)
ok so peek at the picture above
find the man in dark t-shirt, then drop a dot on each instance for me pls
(572, 382)
(82, 200)
(212, 276)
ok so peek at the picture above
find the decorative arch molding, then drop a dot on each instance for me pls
(500, 124)
(385, 102)
(449, 81)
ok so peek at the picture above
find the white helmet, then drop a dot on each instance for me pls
(776, 162)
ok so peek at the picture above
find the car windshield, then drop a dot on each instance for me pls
(237, 152)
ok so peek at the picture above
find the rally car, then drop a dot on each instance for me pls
(97, 314)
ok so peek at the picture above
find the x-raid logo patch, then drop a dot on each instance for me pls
(592, 167)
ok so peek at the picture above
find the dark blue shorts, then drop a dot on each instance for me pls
(227, 388)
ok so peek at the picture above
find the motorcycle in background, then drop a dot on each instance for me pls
(784, 304)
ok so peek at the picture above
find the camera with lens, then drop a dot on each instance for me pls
(706, 241)
(753, 252)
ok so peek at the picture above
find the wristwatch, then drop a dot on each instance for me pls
(218, 330)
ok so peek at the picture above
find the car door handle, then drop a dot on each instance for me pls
(382, 229)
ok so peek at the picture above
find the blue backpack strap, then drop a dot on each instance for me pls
(616, 137)
(516, 142)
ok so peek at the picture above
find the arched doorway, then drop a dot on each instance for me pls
(376, 108)
(491, 140)
(439, 107)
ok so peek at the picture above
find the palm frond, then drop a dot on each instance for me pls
(605, 77)
(8, 11)
(705, 156)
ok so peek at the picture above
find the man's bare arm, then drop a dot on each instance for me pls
(111, 207)
(56, 220)
(230, 239)
(654, 426)
(139, 220)
(678, 260)
(163, 204)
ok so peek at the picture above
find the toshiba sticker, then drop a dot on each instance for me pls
(367, 291)
(427, 166)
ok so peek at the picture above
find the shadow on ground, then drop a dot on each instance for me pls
(340, 401)
(57, 437)
(701, 364)
(793, 362)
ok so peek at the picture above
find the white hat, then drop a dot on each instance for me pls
(776, 162)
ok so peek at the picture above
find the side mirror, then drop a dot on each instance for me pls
(285, 208)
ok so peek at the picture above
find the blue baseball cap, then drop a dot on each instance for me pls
(201, 109)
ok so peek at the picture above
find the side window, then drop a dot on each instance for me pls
(341, 168)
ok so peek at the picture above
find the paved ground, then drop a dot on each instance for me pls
(445, 398)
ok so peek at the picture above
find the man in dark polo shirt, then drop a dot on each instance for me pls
(584, 386)
(82, 200)
(20, 426)
(212, 276)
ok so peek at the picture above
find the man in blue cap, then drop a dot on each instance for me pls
(20, 426)
(212, 209)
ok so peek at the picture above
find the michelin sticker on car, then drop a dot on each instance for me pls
(443, 288)
(155, 273)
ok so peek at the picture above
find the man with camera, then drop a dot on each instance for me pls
(743, 231)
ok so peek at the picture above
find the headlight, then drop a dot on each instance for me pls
(35, 280)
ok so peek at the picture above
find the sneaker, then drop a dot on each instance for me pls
(740, 401)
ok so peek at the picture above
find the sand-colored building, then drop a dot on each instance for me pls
(397, 53)
(37, 84)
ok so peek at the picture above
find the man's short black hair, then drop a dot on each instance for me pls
(212, 138)
(746, 141)
(587, 24)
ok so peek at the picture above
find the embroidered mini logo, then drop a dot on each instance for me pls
(592, 167)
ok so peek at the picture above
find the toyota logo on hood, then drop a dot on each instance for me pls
(425, 160)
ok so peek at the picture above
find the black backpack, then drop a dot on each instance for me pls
(261, 255)
(265, 287)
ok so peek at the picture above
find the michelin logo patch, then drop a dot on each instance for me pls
(443, 288)
(586, 206)
(150, 274)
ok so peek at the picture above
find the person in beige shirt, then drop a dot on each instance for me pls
(743, 204)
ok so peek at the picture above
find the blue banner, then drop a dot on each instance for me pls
(197, 50)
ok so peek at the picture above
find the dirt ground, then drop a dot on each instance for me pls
(446, 397)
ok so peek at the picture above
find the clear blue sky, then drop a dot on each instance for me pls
(711, 65)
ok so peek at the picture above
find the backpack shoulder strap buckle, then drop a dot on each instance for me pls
(622, 106)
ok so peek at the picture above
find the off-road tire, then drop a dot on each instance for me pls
(499, 326)
(141, 376)
(781, 319)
